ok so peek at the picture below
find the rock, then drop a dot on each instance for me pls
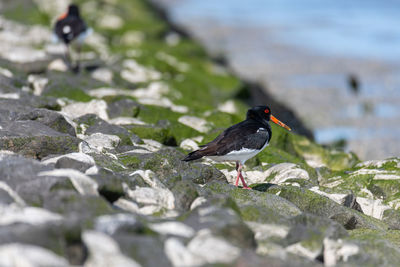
(392, 218)
(257, 206)
(36, 140)
(123, 108)
(97, 107)
(92, 124)
(172, 169)
(30, 215)
(185, 192)
(15, 254)
(285, 171)
(110, 224)
(103, 74)
(37, 83)
(99, 141)
(305, 238)
(173, 228)
(198, 124)
(50, 118)
(211, 249)
(78, 161)
(338, 251)
(311, 202)
(136, 73)
(82, 183)
(104, 251)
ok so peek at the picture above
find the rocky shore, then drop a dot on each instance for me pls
(91, 171)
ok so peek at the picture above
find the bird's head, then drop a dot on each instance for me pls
(263, 114)
(73, 10)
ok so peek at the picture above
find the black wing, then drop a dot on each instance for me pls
(75, 26)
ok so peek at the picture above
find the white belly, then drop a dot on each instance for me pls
(241, 155)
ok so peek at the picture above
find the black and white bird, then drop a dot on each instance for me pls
(241, 141)
(71, 27)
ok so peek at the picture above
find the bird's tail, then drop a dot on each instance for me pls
(193, 155)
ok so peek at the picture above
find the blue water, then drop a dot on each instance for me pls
(362, 28)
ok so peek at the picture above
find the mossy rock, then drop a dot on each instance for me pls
(311, 202)
(256, 206)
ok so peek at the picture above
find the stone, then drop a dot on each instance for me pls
(104, 251)
(196, 123)
(173, 228)
(29, 215)
(99, 141)
(15, 254)
(123, 108)
(78, 161)
(82, 183)
(97, 107)
(50, 118)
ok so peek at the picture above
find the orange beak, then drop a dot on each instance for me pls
(275, 120)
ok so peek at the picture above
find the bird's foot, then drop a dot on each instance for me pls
(246, 187)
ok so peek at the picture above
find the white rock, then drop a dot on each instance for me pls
(58, 65)
(173, 228)
(375, 163)
(386, 177)
(265, 231)
(104, 251)
(110, 21)
(198, 202)
(37, 83)
(12, 193)
(10, 96)
(189, 144)
(150, 178)
(153, 196)
(12, 214)
(196, 123)
(303, 251)
(21, 255)
(228, 107)
(82, 183)
(92, 170)
(98, 107)
(338, 250)
(133, 38)
(6, 72)
(179, 255)
(78, 156)
(110, 223)
(126, 121)
(136, 73)
(285, 171)
(372, 207)
(24, 55)
(103, 74)
(212, 249)
(101, 141)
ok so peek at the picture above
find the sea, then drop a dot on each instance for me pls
(309, 54)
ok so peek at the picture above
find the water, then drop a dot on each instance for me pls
(354, 28)
(304, 52)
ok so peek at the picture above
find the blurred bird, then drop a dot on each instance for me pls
(354, 83)
(241, 141)
(70, 27)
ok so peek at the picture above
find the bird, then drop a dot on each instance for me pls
(241, 141)
(71, 27)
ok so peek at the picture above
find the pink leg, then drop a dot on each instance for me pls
(239, 171)
(238, 174)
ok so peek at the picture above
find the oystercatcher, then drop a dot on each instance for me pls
(70, 27)
(241, 141)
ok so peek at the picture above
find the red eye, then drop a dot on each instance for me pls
(266, 111)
